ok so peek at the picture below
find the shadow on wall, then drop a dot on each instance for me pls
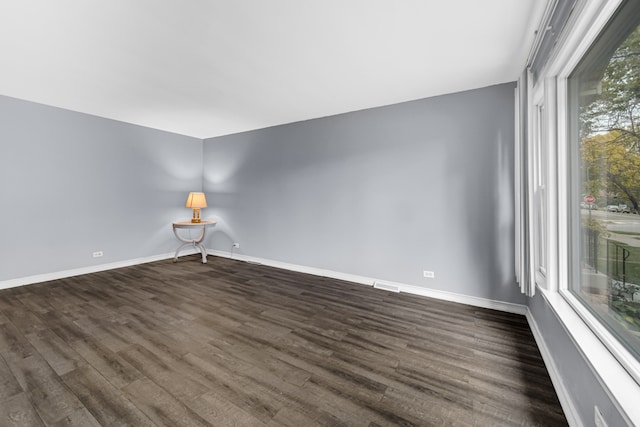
(490, 224)
(221, 185)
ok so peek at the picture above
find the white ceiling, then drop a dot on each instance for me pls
(210, 67)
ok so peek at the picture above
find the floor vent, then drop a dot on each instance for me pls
(386, 287)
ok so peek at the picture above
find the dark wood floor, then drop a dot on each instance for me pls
(231, 343)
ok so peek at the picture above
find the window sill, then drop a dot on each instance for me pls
(614, 377)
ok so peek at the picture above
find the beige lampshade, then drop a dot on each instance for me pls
(196, 200)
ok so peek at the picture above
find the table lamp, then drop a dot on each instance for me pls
(196, 201)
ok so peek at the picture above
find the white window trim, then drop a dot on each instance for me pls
(612, 364)
(532, 124)
(551, 140)
(517, 202)
(539, 245)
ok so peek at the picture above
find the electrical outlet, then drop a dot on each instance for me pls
(429, 274)
(236, 245)
(97, 254)
(599, 419)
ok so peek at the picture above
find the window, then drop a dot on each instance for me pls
(604, 185)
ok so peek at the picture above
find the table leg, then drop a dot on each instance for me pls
(195, 242)
(175, 257)
(203, 251)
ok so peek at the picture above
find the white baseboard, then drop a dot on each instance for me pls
(566, 402)
(465, 299)
(363, 280)
(369, 281)
(38, 278)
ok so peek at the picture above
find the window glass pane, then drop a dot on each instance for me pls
(604, 118)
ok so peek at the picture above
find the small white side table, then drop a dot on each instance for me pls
(202, 226)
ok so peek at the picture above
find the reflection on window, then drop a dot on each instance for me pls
(604, 93)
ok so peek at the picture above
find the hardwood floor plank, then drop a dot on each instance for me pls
(252, 397)
(18, 411)
(160, 406)
(220, 412)
(21, 317)
(9, 386)
(419, 411)
(58, 354)
(110, 365)
(298, 342)
(13, 344)
(264, 363)
(274, 390)
(81, 417)
(166, 343)
(106, 403)
(291, 418)
(345, 408)
(508, 398)
(61, 323)
(163, 373)
(48, 394)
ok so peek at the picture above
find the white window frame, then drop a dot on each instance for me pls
(543, 169)
(538, 185)
(613, 364)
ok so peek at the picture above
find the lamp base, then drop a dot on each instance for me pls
(196, 216)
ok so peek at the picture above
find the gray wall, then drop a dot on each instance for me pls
(72, 184)
(383, 193)
(582, 385)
